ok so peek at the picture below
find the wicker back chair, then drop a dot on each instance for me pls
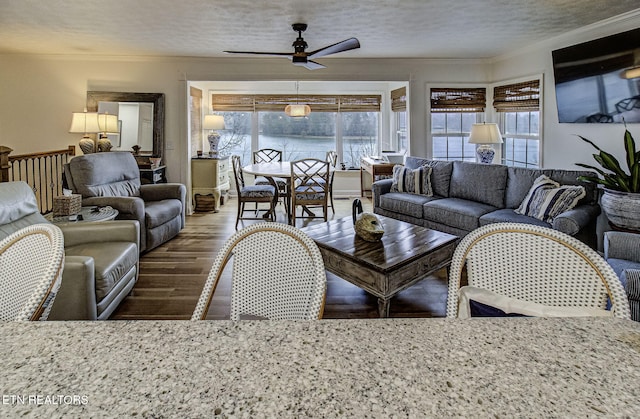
(278, 273)
(310, 184)
(31, 261)
(252, 193)
(538, 265)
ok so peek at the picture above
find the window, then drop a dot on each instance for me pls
(348, 124)
(453, 111)
(519, 119)
(298, 138)
(236, 137)
(359, 136)
(399, 109)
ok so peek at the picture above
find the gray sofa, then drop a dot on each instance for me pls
(469, 195)
(113, 179)
(101, 258)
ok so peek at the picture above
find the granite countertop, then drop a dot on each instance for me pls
(527, 367)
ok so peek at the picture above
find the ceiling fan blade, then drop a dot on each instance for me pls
(312, 65)
(273, 54)
(346, 45)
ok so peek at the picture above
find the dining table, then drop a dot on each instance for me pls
(480, 367)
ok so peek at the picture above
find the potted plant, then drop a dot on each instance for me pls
(621, 197)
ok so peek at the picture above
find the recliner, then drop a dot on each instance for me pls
(113, 179)
(101, 258)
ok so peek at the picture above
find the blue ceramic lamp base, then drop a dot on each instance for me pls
(485, 153)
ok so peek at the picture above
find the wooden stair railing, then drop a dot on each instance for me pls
(42, 171)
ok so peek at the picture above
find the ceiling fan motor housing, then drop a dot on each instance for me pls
(299, 59)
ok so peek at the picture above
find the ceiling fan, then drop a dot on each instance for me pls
(300, 56)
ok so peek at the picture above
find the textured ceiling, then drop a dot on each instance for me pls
(204, 28)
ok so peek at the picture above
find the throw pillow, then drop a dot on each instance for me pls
(541, 182)
(415, 181)
(496, 305)
(547, 204)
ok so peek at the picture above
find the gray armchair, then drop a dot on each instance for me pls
(101, 258)
(113, 179)
(622, 252)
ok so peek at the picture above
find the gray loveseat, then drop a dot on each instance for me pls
(469, 195)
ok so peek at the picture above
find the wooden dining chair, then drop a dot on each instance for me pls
(310, 184)
(332, 158)
(253, 193)
(268, 155)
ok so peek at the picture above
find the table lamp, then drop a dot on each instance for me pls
(86, 123)
(213, 122)
(485, 134)
(108, 124)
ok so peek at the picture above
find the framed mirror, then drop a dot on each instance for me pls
(140, 119)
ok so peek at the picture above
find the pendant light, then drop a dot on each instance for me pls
(297, 110)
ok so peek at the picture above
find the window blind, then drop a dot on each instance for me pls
(399, 100)
(517, 97)
(277, 103)
(458, 99)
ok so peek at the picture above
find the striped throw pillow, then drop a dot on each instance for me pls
(547, 204)
(415, 181)
(541, 182)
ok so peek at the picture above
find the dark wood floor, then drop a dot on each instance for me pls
(172, 276)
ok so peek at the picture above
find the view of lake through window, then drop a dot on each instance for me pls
(354, 133)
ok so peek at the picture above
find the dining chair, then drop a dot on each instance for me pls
(252, 193)
(332, 158)
(310, 184)
(31, 262)
(278, 273)
(532, 270)
(268, 155)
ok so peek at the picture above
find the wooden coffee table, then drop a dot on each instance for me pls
(407, 254)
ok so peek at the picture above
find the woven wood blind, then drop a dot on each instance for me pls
(458, 100)
(277, 103)
(517, 97)
(399, 100)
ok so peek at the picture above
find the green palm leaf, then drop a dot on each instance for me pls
(635, 177)
(613, 176)
(630, 149)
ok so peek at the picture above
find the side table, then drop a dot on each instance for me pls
(209, 176)
(375, 168)
(153, 175)
(87, 214)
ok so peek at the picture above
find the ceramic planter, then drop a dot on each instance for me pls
(622, 208)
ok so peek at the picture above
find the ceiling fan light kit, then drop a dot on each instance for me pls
(305, 59)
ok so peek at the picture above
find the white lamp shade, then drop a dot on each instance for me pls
(297, 110)
(108, 123)
(631, 73)
(485, 134)
(84, 123)
(213, 122)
